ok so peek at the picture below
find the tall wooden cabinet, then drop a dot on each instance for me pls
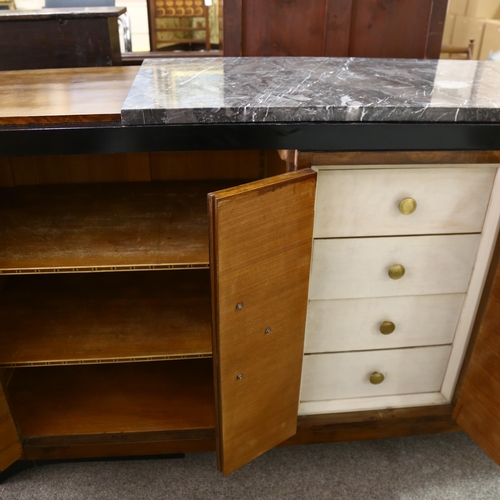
(334, 28)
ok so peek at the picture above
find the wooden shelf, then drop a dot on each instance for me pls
(112, 400)
(105, 317)
(104, 227)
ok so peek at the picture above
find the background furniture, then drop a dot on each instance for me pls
(7, 4)
(179, 24)
(465, 52)
(338, 28)
(59, 38)
(123, 19)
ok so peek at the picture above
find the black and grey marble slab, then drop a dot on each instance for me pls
(307, 89)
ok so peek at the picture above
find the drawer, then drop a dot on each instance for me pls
(347, 375)
(366, 202)
(355, 324)
(358, 267)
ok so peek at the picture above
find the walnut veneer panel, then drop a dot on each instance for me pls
(10, 447)
(108, 317)
(261, 236)
(96, 226)
(478, 407)
(64, 95)
(122, 398)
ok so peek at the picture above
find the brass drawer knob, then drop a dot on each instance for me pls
(376, 378)
(396, 272)
(387, 327)
(407, 206)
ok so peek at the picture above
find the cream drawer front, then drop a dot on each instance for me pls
(358, 267)
(354, 324)
(347, 375)
(366, 202)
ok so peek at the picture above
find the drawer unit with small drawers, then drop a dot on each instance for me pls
(399, 260)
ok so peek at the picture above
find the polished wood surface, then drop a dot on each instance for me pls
(105, 317)
(260, 248)
(478, 407)
(64, 95)
(117, 399)
(10, 445)
(104, 226)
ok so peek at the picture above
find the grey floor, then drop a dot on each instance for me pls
(426, 467)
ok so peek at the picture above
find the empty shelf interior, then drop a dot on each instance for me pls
(116, 399)
(105, 317)
(93, 227)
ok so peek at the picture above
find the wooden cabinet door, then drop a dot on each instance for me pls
(478, 407)
(260, 251)
(10, 446)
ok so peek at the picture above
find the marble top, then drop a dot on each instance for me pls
(308, 89)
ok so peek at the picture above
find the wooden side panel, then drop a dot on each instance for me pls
(10, 446)
(478, 407)
(436, 29)
(337, 28)
(260, 247)
(283, 28)
(363, 28)
(390, 28)
(232, 28)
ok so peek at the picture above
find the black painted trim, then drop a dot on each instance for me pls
(322, 136)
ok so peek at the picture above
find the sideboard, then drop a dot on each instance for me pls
(339, 281)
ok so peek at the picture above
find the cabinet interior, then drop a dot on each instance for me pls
(105, 295)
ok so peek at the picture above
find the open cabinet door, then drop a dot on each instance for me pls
(260, 251)
(478, 407)
(10, 446)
